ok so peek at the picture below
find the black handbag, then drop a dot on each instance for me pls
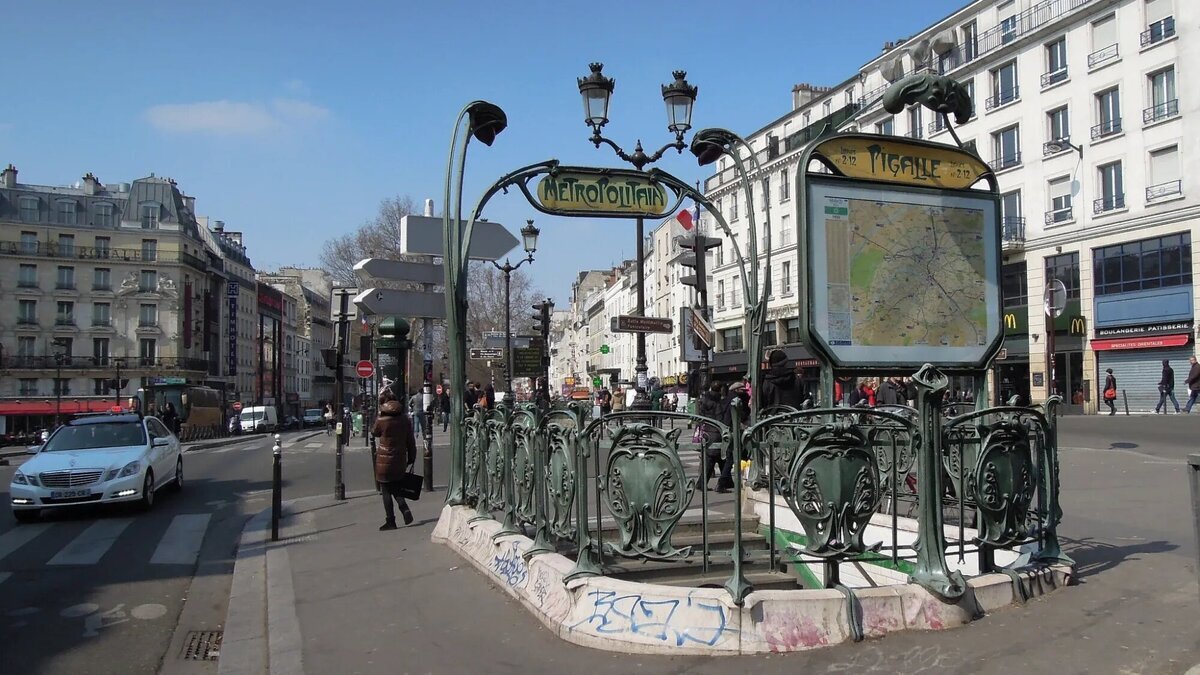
(410, 486)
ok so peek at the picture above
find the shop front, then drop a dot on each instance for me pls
(730, 367)
(1136, 355)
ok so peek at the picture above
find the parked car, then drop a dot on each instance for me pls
(314, 417)
(98, 459)
(258, 418)
(290, 423)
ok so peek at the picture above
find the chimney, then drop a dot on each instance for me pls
(218, 226)
(10, 176)
(90, 184)
(190, 203)
(429, 208)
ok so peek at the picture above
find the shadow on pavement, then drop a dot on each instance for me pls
(1096, 557)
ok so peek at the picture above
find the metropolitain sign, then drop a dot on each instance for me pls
(602, 192)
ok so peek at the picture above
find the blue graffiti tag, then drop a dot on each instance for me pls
(655, 619)
(511, 566)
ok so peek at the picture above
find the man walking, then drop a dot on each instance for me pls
(444, 404)
(1193, 383)
(1166, 387)
(417, 410)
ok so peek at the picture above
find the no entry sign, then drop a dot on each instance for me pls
(364, 369)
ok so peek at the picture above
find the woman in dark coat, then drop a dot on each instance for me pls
(396, 453)
(1110, 384)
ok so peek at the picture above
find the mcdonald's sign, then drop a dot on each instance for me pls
(1016, 320)
(1078, 326)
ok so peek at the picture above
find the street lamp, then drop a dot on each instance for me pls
(680, 98)
(529, 237)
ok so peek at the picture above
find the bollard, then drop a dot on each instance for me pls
(427, 464)
(1194, 480)
(276, 487)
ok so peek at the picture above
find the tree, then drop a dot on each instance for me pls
(485, 311)
(377, 238)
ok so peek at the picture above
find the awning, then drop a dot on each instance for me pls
(70, 406)
(1152, 342)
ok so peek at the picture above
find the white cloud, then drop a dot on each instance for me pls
(297, 87)
(233, 118)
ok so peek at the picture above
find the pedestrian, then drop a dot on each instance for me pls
(417, 410)
(605, 399)
(780, 385)
(892, 392)
(910, 392)
(618, 401)
(1110, 392)
(1193, 383)
(471, 397)
(394, 457)
(329, 422)
(1166, 387)
(710, 407)
(444, 403)
(490, 395)
(170, 418)
(737, 393)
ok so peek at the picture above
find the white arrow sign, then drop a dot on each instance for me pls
(399, 270)
(391, 302)
(423, 235)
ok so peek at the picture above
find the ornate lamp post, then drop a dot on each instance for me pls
(529, 237)
(679, 97)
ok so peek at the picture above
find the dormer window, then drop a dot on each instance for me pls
(29, 209)
(149, 214)
(64, 211)
(104, 215)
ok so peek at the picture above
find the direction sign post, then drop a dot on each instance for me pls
(393, 302)
(423, 235)
(486, 354)
(399, 270)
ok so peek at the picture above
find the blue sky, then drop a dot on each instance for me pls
(292, 120)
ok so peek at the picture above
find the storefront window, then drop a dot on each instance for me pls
(1160, 262)
(1065, 268)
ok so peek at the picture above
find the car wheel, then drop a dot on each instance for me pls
(177, 484)
(148, 491)
(26, 515)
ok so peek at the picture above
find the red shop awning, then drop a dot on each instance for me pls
(1150, 342)
(44, 407)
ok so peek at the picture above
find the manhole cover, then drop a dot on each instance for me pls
(203, 645)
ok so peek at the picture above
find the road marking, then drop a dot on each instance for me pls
(16, 538)
(4, 576)
(91, 544)
(148, 612)
(181, 543)
(76, 611)
(314, 445)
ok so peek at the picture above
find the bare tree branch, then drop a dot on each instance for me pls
(377, 238)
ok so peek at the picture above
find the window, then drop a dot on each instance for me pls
(104, 215)
(1006, 148)
(720, 256)
(66, 313)
(766, 194)
(102, 247)
(29, 242)
(65, 212)
(785, 230)
(733, 211)
(1056, 62)
(147, 351)
(28, 387)
(29, 209)
(149, 213)
(785, 188)
(786, 280)
(1163, 102)
(62, 386)
(1161, 262)
(970, 42)
(100, 351)
(149, 250)
(720, 293)
(850, 96)
(1112, 188)
(1059, 121)
(100, 387)
(1164, 174)
(731, 339)
(1108, 112)
(1160, 22)
(66, 245)
(914, 121)
(947, 61)
(885, 127)
(807, 117)
(27, 312)
(1065, 268)
(1004, 85)
(1014, 285)
(101, 314)
(27, 277)
(101, 279)
(26, 346)
(1104, 41)
(1008, 22)
(826, 108)
(148, 315)
(1010, 216)
(66, 278)
(969, 85)
(1059, 191)
(148, 283)
(792, 328)
(770, 334)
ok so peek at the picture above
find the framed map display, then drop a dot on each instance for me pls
(902, 276)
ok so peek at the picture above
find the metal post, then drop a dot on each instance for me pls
(640, 367)
(1050, 388)
(1194, 480)
(427, 403)
(276, 487)
(117, 387)
(339, 487)
(58, 359)
(262, 363)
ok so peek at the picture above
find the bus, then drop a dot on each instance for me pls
(200, 409)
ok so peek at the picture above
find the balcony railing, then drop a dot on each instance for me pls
(1162, 111)
(1103, 55)
(101, 287)
(1056, 146)
(1110, 203)
(49, 362)
(1054, 77)
(1158, 31)
(913, 133)
(1174, 187)
(27, 321)
(147, 323)
(1005, 162)
(24, 283)
(1063, 215)
(64, 321)
(1000, 35)
(64, 286)
(102, 321)
(53, 250)
(1003, 96)
(1108, 128)
(938, 124)
(1013, 229)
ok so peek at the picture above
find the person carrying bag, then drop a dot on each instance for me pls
(396, 454)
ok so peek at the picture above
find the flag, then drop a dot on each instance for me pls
(366, 325)
(684, 218)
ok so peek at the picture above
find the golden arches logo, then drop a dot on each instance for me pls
(1010, 320)
(1078, 326)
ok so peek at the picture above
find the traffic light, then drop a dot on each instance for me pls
(695, 257)
(542, 318)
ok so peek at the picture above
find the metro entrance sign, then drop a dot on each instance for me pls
(364, 369)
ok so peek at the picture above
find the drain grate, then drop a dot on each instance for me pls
(203, 645)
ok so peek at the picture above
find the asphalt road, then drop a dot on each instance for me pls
(118, 613)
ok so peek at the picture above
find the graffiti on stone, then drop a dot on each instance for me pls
(673, 621)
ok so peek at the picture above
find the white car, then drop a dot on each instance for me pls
(98, 459)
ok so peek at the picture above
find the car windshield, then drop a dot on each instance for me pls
(252, 416)
(312, 412)
(93, 436)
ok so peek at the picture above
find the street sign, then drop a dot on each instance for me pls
(399, 270)
(629, 323)
(486, 353)
(392, 302)
(702, 328)
(423, 235)
(364, 369)
(595, 382)
(1056, 298)
(237, 406)
(527, 362)
(335, 304)
(604, 349)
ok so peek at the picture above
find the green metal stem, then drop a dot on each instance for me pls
(737, 585)
(455, 308)
(1051, 552)
(932, 571)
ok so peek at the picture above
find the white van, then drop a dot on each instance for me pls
(259, 418)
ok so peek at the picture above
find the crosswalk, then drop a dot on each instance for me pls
(72, 544)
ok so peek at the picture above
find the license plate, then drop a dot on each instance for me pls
(69, 494)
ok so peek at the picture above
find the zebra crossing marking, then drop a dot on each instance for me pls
(314, 445)
(91, 544)
(15, 539)
(180, 545)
